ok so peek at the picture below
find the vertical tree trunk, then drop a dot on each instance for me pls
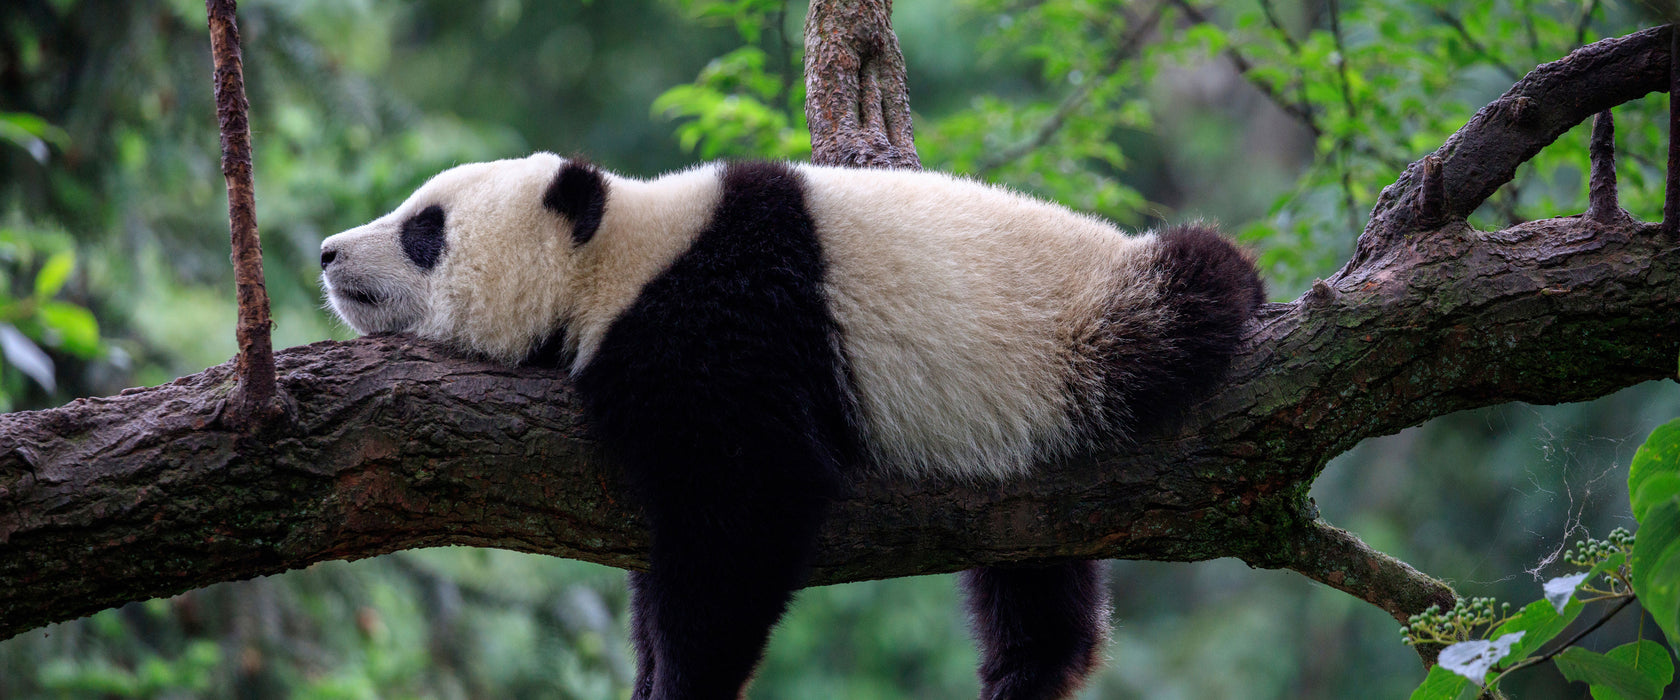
(856, 101)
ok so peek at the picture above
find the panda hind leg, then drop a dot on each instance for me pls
(722, 572)
(642, 635)
(1041, 629)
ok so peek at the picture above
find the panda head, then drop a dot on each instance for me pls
(479, 257)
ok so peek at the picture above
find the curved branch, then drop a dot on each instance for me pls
(399, 445)
(1484, 154)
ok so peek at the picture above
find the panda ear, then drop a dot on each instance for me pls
(578, 193)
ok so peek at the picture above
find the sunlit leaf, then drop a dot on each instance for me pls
(78, 331)
(54, 274)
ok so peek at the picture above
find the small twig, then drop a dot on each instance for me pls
(1341, 60)
(1432, 195)
(1289, 42)
(1601, 187)
(1277, 25)
(1344, 143)
(1301, 111)
(1076, 99)
(1469, 40)
(1349, 202)
(256, 353)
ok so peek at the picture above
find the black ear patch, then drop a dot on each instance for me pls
(578, 193)
(422, 237)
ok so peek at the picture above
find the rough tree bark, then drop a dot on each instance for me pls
(256, 400)
(856, 101)
(398, 444)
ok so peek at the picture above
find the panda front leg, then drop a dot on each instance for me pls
(1041, 629)
(723, 568)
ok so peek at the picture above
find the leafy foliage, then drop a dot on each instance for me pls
(748, 102)
(1639, 669)
(1622, 567)
(1370, 85)
(36, 324)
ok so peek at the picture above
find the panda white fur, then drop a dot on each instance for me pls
(745, 337)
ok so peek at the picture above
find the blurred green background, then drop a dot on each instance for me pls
(114, 273)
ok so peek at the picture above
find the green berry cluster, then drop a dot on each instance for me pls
(1469, 619)
(1589, 552)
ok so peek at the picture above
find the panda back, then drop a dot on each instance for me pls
(962, 308)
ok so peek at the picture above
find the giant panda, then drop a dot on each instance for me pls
(747, 338)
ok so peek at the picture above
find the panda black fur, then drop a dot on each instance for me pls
(747, 337)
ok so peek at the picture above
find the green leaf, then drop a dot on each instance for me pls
(1649, 658)
(34, 125)
(78, 332)
(31, 133)
(1442, 684)
(1635, 671)
(1659, 457)
(54, 274)
(1540, 621)
(1656, 564)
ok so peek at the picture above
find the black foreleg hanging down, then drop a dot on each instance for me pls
(719, 391)
(1041, 629)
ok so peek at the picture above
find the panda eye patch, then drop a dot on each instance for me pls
(422, 237)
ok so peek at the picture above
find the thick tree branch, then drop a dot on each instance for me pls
(400, 445)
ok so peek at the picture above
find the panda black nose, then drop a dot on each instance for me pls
(327, 255)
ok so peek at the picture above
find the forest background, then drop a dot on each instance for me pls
(1277, 119)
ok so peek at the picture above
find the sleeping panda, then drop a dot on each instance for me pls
(747, 338)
